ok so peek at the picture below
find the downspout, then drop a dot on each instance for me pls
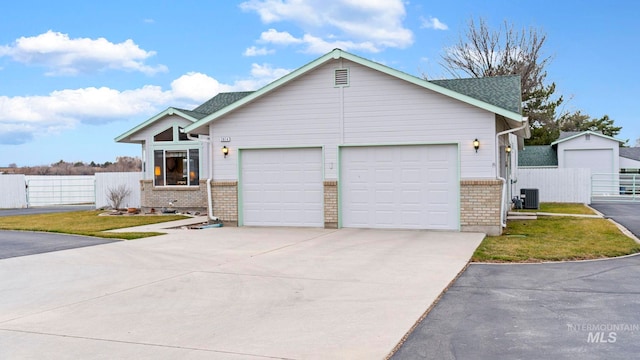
(503, 220)
(207, 140)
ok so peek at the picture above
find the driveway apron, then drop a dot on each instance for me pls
(228, 293)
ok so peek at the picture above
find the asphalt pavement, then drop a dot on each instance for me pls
(571, 310)
(626, 214)
(585, 310)
(23, 243)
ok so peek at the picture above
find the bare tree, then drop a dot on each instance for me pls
(116, 195)
(482, 52)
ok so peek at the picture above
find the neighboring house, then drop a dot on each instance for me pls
(630, 160)
(341, 142)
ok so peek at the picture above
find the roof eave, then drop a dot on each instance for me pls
(124, 138)
(584, 133)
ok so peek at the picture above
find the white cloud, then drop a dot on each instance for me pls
(23, 117)
(349, 24)
(432, 23)
(66, 56)
(256, 51)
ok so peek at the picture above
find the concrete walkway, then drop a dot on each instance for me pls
(228, 293)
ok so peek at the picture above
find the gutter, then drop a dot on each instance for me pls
(503, 220)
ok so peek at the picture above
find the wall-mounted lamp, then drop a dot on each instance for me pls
(508, 149)
(225, 151)
(476, 144)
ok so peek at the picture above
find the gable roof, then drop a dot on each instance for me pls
(537, 155)
(209, 107)
(502, 91)
(568, 135)
(186, 114)
(508, 113)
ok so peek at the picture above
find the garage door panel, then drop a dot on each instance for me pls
(400, 187)
(282, 187)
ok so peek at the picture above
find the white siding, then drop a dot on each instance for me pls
(557, 185)
(12, 191)
(626, 163)
(111, 180)
(374, 109)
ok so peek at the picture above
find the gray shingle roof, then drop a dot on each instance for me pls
(632, 153)
(220, 101)
(501, 91)
(538, 155)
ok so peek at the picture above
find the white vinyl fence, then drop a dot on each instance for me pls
(13, 194)
(556, 185)
(105, 182)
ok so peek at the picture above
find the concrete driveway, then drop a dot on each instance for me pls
(571, 310)
(228, 293)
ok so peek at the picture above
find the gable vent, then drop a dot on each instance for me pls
(341, 77)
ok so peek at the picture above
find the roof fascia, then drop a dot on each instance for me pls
(584, 133)
(337, 54)
(168, 112)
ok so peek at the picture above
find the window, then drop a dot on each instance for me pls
(176, 167)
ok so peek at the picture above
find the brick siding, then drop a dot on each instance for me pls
(225, 201)
(480, 206)
(331, 204)
(189, 198)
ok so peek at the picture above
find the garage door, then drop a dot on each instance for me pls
(402, 187)
(282, 187)
(600, 161)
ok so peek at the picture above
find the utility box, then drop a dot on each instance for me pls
(530, 199)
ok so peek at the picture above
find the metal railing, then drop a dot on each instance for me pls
(615, 187)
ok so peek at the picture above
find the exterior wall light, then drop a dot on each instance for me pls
(225, 151)
(508, 149)
(476, 144)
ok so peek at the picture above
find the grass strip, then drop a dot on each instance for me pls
(555, 239)
(87, 223)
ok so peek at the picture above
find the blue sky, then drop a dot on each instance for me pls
(76, 74)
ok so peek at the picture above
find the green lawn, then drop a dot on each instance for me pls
(84, 223)
(555, 238)
(562, 208)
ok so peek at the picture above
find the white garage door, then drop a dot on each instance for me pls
(402, 187)
(600, 161)
(282, 187)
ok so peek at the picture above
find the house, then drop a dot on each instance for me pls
(341, 142)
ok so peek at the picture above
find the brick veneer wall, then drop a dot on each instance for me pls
(480, 206)
(225, 201)
(331, 204)
(189, 198)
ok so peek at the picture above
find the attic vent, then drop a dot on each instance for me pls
(341, 77)
(587, 137)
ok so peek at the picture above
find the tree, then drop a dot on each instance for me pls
(483, 52)
(582, 122)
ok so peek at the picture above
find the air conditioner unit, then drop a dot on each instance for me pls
(530, 199)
